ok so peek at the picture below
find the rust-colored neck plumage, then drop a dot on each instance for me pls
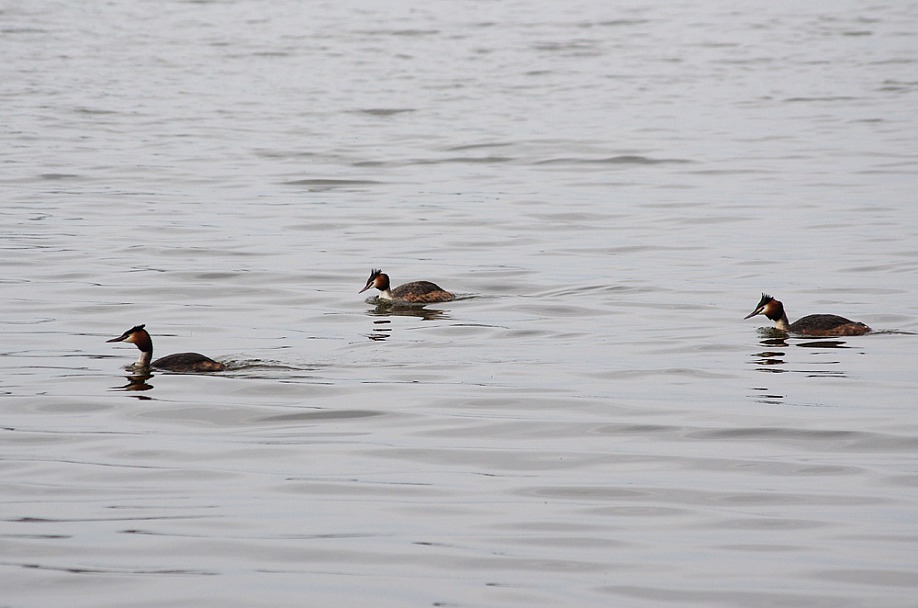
(774, 310)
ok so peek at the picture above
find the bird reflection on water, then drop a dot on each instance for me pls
(772, 358)
(384, 310)
(136, 382)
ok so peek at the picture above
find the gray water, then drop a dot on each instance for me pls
(608, 186)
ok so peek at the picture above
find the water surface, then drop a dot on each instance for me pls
(592, 423)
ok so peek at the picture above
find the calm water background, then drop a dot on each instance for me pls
(609, 186)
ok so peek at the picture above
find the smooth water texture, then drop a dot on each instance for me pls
(608, 187)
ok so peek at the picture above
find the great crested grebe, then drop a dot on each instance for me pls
(810, 325)
(417, 292)
(179, 362)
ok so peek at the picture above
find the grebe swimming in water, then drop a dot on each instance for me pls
(418, 292)
(179, 362)
(810, 325)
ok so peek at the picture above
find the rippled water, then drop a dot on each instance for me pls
(592, 423)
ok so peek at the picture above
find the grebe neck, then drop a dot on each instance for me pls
(774, 310)
(782, 324)
(143, 362)
(144, 343)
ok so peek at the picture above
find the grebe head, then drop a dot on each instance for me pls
(139, 337)
(136, 335)
(768, 306)
(378, 279)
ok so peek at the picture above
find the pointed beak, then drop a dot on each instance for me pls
(118, 339)
(755, 312)
(365, 288)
